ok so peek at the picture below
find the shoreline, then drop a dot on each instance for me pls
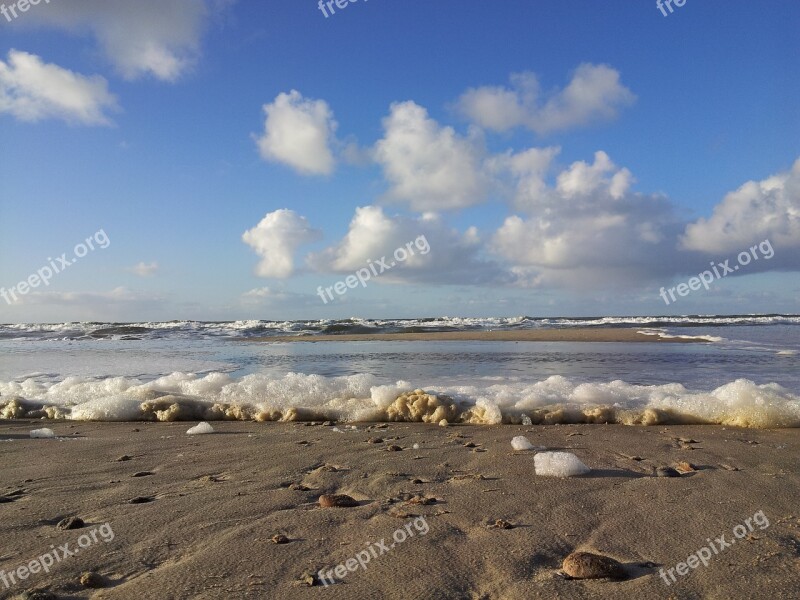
(584, 334)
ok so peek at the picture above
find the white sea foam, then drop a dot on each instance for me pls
(559, 464)
(200, 429)
(522, 443)
(354, 398)
(666, 336)
(44, 433)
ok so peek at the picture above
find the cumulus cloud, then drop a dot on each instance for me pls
(437, 253)
(298, 132)
(276, 239)
(145, 37)
(143, 269)
(587, 229)
(756, 211)
(595, 93)
(429, 167)
(32, 90)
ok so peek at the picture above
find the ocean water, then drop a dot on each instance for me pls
(743, 370)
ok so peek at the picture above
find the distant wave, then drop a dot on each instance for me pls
(362, 398)
(255, 328)
(666, 336)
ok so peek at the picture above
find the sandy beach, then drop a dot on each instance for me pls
(208, 508)
(616, 334)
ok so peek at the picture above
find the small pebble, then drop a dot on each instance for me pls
(667, 472)
(501, 524)
(141, 500)
(142, 474)
(686, 467)
(337, 501)
(280, 539)
(70, 523)
(92, 580)
(585, 565)
(423, 500)
(310, 579)
(393, 448)
(124, 458)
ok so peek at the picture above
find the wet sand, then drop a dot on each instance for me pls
(527, 335)
(217, 501)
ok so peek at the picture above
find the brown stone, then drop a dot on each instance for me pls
(337, 501)
(585, 565)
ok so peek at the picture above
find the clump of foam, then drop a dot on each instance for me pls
(741, 403)
(521, 443)
(44, 433)
(13, 409)
(559, 464)
(485, 412)
(418, 406)
(200, 429)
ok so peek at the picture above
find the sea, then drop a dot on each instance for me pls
(739, 370)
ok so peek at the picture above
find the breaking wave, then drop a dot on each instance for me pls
(256, 328)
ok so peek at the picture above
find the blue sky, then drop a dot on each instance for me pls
(560, 157)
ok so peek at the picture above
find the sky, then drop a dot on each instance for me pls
(223, 159)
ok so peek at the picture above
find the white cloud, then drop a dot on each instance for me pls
(145, 37)
(595, 93)
(586, 230)
(276, 239)
(440, 253)
(143, 269)
(298, 132)
(266, 296)
(119, 296)
(260, 293)
(756, 211)
(32, 90)
(428, 166)
(116, 305)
